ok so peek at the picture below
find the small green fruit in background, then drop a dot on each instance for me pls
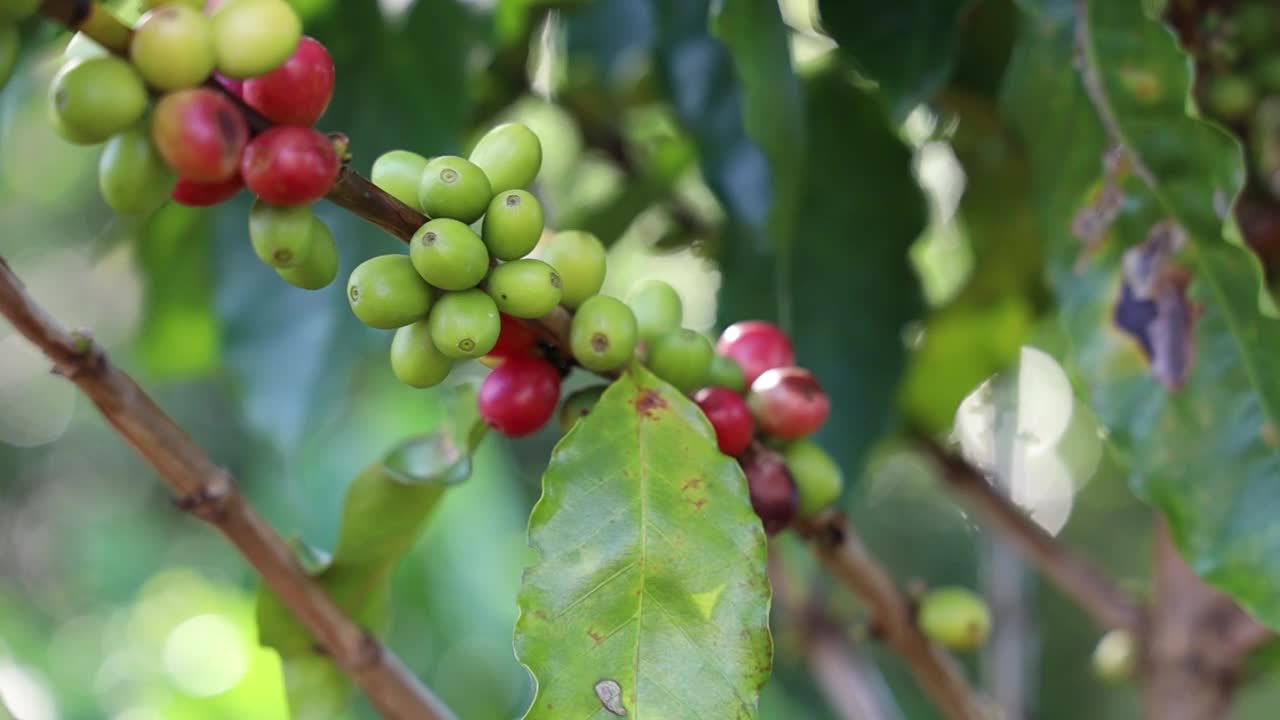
(1116, 657)
(513, 224)
(321, 266)
(818, 478)
(14, 10)
(725, 372)
(97, 98)
(132, 176)
(449, 255)
(385, 292)
(603, 334)
(281, 235)
(453, 187)
(9, 46)
(399, 173)
(955, 617)
(579, 405)
(465, 324)
(510, 155)
(254, 37)
(579, 258)
(657, 307)
(415, 359)
(682, 358)
(172, 47)
(524, 288)
(1230, 97)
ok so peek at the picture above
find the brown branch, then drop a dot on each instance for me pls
(843, 554)
(208, 491)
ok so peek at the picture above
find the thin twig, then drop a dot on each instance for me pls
(208, 492)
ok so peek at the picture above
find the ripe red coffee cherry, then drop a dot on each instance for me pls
(515, 339)
(773, 492)
(290, 165)
(200, 133)
(788, 403)
(298, 92)
(729, 416)
(198, 194)
(519, 396)
(757, 346)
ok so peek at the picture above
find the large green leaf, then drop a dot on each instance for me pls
(1202, 442)
(649, 598)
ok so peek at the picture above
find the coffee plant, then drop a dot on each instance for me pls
(1026, 249)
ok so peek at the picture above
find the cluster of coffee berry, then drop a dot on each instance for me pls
(205, 63)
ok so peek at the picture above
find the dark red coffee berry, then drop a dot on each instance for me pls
(200, 133)
(298, 92)
(290, 165)
(788, 402)
(757, 346)
(773, 492)
(519, 396)
(515, 339)
(197, 194)
(729, 416)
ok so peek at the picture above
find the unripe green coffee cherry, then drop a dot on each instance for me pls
(1115, 658)
(579, 258)
(955, 617)
(321, 266)
(657, 307)
(1230, 97)
(725, 372)
(132, 176)
(578, 405)
(172, 47)
(98, 97)
(415, 359)
(8, 51)
(512, 224)
(281, 235)
(453, 187)
(254, 37)
(15, 10)
(465, 324)
(603, 334)
(385, 292)
(399, 172)
(524, 288)
(449, 255)
(510, 155)
(819, 481)
(682, 358)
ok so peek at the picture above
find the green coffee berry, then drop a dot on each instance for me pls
(321, 266)
(955, 617)
(8, 51)
(682, 358)
(415, 360)
(603, 334)
(15, 10)
(657, 307)
(385, 292)
(449, 255)
(1230, 97)
(74, 137)
(133, 177)
(819, 481)
(465, 324)
(1116, 657)
(579, 258)
(281, 235)
(254, 37)
(727, 373)
(453, 187)
(97, 98)
(399, 173)
(510, 155)
(512, 224)
(524, 288)
(578, 405)
(172, 47)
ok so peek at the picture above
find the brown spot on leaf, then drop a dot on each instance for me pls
(697, 504)
(1153, 308)
(609, 693)
(692, 484)
(541, 614)
(1269, 435)
(595, 636)
(649, 402)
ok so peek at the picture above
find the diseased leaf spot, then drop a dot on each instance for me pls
(596, 636)
(649, 402)
(698, 503)
(610, 694)
(1153, 308)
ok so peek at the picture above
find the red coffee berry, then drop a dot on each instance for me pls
(200, 133)
(773, 492)
(519, 396)
(515, 339)
(757, 346)
(290, 165)
(729, 416)
(788, 403)
(298, 92)
(198, 194)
